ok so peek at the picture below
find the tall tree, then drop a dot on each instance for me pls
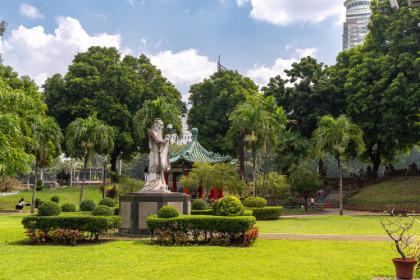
(85, 137)
(381, 81)
(3, 26)
(212, 101)
(47, 146)
(260, 120)
(100, 81)
(336, 136)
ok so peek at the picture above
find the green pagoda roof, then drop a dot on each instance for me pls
(193, 152)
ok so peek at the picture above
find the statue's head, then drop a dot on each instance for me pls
(157, 125)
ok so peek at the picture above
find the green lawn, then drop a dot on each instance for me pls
(67, 194)
(359, 225)
(139, 260)
(402, 192)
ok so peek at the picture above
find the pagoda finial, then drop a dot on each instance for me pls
(194, 132)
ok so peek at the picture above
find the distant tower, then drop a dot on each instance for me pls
(355, 28)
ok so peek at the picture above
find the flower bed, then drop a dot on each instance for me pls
(203, 229)
(69, 228)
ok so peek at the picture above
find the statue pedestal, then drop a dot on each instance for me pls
(136, 207)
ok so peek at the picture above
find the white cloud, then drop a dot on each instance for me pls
(261, 74)
(185, 67)
(29, 11)
(285, 12)
(33, 52)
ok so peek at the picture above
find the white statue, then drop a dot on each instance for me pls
(158, 159)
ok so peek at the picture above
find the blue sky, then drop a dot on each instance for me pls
(259, 38)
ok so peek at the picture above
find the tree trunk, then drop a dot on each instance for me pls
(114, 159)
(321, 167)
(306, 203)
(83, 180)
(340, 184)
(241, 156)
(375, 158)
(34, 190)
(254, 169)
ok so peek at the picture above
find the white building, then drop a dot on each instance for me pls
(355, 28)
(186, 133)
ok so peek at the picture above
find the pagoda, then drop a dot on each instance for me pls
(182, 161)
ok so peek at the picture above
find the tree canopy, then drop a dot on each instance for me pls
(99, 81)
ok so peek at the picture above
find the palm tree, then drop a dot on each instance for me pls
(160, 108)
(85, 137)
(336, 136)
(47, 145)
(257, 122)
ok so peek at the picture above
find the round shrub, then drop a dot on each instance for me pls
(102, 210)
(168, 211)
(107, 202)
(49, 208)
(87, 205)
(38, 202)
(230, 206)
(68, 207)
(255, 202)
(55, 198)
(198, 204)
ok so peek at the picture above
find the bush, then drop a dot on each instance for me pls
(203, 212)
(112, 192)
(9, 184)
(68, 207)
(55, 198)
(40, 228)
(116, 211)
(102, 210)
(49, 208)
(229, 206)
(255, 202)
(38, 202)
(168, 211)
(214, 230)
(66, 236)
(198, 204)
(87, 205)
(107, 202)
(266, 213)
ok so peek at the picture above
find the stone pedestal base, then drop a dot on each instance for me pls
(136, 207)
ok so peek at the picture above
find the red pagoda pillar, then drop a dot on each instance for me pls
(174, 188)
(200, 192)
(166, 177)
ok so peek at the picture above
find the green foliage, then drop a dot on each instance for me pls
(98, 80)
(198, 204)
(38, 202)
(274, 185)
(304, 179)
(9, 184)
(229, 206)
(204, 228)
(209, 211)
(55, 198)
(49, 208)
(254, 202)
(168, 211)
(212, 102)
(107, 202)
(266, 213)
(93, 225)
(102, 210)
(68, 207)
(87, 205)
(127, 184)
(3, 26)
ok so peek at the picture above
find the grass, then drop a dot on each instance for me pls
(357, 225)
(400, 192)
(267, 259)
(67, 194)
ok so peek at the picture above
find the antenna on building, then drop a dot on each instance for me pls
(220, 67)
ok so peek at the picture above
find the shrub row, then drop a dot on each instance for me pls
(215, 230)
(266, 213)
(43, 228)
(210, 212)
(255, 202)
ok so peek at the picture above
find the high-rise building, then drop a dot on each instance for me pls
(355, 28)
(186, 133)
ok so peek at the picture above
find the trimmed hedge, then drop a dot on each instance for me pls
(87, 205)
(41, 227)
(198, 204)
(49, 208)
(266, 213)
(254, 202)
(107, 202)
(68, 207)
(55, 198)
(229, 206)
(102, 210)
(168, 211)
(210, 212)
(201, 229)
(38, 202)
